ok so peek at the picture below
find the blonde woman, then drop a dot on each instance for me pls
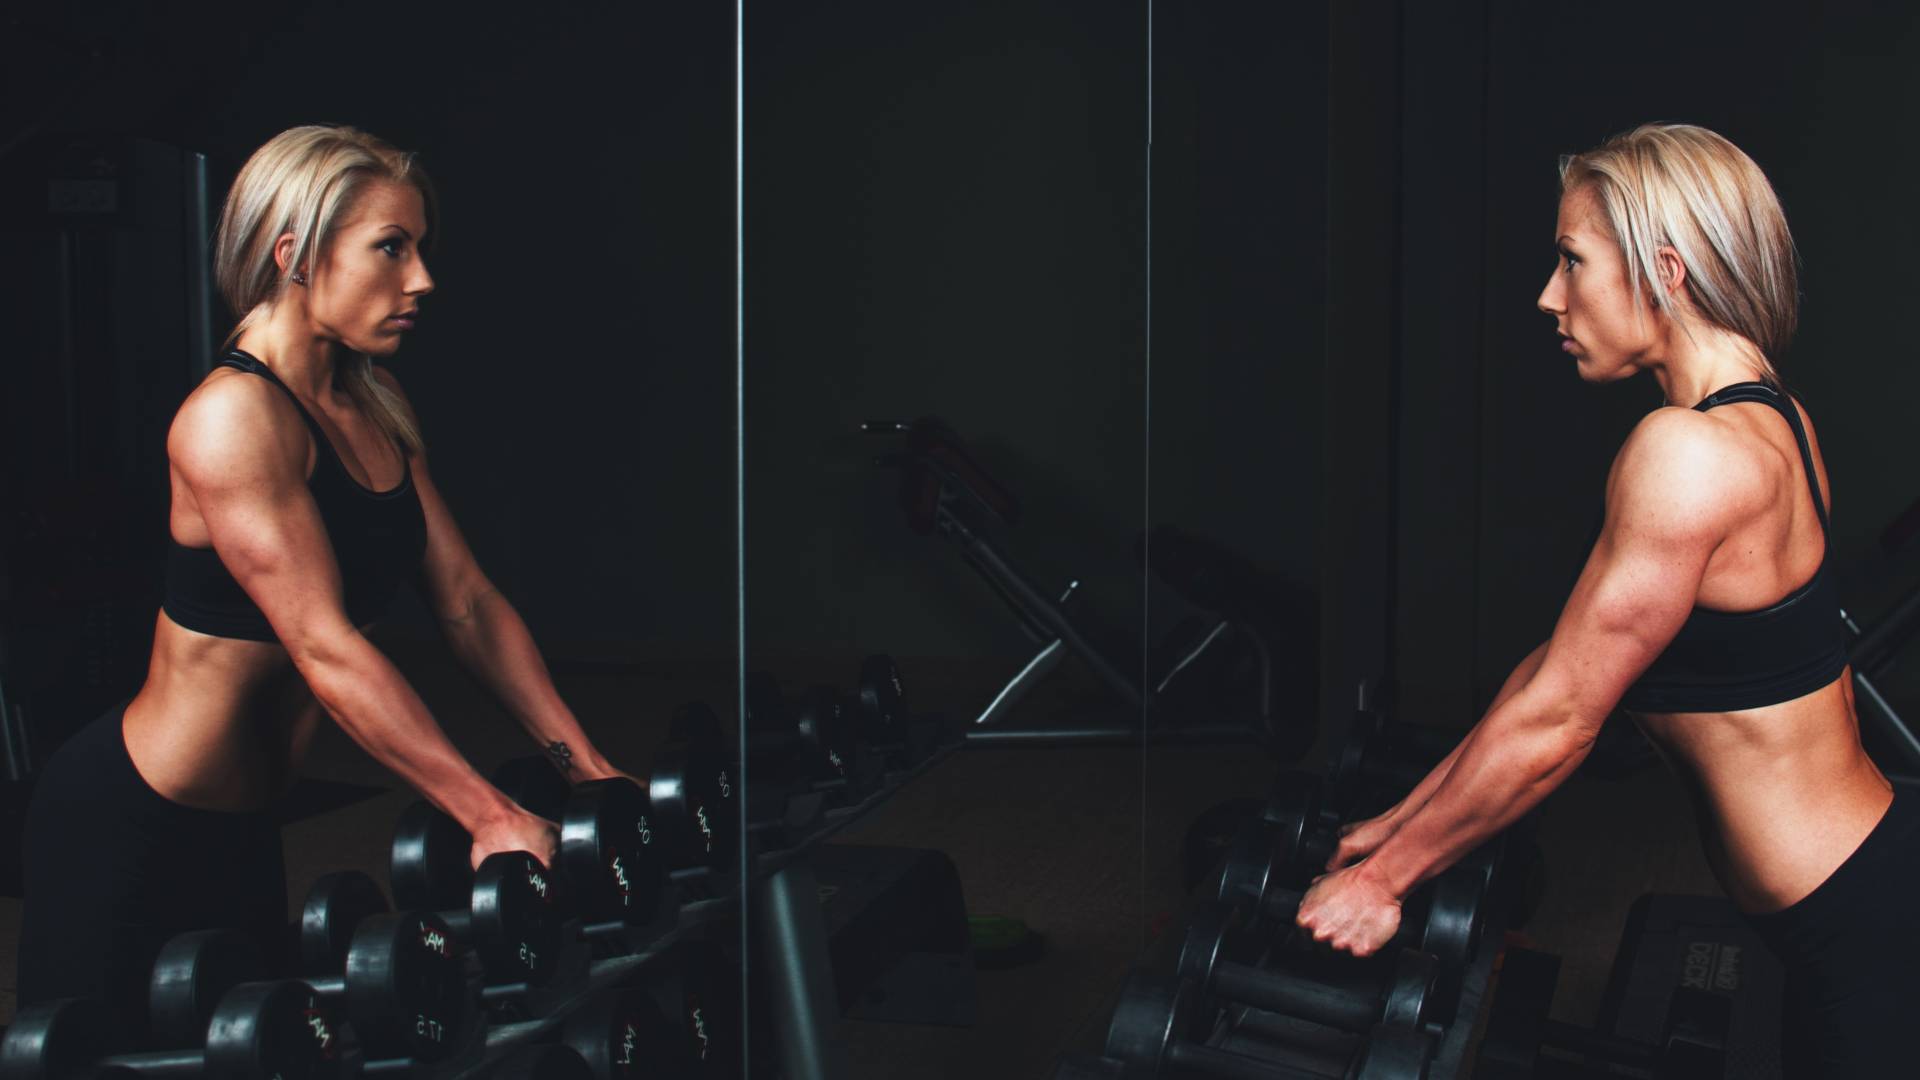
(301, 500)
(1706, 610)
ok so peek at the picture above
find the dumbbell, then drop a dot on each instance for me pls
(614, 856)
(405, 985)
(1407, 996)
(883, 720)
(1158, 1019)
(1442, 917)
(807, 746)
(690, 814)
(257, 1031)
(508, 911)
(624, 1033)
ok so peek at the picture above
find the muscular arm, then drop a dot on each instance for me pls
(487, 634)
(1676, 490)
(243, 456)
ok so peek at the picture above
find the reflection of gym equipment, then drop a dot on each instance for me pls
(944, 489)
(1873, 651)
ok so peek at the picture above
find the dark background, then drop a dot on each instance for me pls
(1301, 323)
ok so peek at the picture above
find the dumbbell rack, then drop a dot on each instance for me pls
(1244, 1029)
(781, 900)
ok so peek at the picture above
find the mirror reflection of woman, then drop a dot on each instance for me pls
(1706, 610)
(301, 500)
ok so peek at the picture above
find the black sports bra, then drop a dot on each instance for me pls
(378, 537)
(1722, 661)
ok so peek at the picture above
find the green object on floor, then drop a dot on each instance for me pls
(1000, 941)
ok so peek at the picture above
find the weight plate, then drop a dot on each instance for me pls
(609, 851)
(1411, 993)
(691, 791)
(193, 971)
(276, 1029)
(623, 1033)
(57, 1039)
(430, 868)
(336, 906)
(1393, 1053)
(882, 702)
(406, 987)
(516, 919)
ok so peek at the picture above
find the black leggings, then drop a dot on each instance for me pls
(1851, 949)
(113, 869)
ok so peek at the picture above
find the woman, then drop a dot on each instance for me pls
(300, 499)
(1705, 610)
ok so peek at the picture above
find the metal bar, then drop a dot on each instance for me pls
(1200, 735)
(199, 271)
(1036, 669)
(799, 973)
(1046, 612)
(1887, 722)
(1877, 645)
(1192, 654)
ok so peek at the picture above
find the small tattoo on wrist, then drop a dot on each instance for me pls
(562, 757)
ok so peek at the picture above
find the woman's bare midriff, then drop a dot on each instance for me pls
(220, 724)
(1784, 793)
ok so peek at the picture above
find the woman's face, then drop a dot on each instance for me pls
(368, 286)
(1590, 298)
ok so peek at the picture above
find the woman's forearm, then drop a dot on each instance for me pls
(493, 642)
(367, 696)
(1515, 756)
(1423, 791)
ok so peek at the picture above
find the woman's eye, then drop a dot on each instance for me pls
(1570, 261)
(391, 247)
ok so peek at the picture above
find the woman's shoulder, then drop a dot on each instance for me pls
(1679, 463)
(227, 419)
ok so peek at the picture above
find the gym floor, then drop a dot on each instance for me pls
(1083, 844)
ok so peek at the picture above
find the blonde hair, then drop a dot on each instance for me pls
(302, 182)
(1686, 187)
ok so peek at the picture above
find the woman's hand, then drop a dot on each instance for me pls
(1359, 839)
(592, 766)
(517, 830)
(1350, 911)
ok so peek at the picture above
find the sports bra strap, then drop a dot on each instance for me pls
(247, 362)
(1761, 392)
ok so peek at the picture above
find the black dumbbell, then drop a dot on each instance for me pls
(807, 747)
(257, 1031)
(691, 810)
(883, 720)
(1443, 917)
(624, 1033)
(1400, 993)
(508, 911)
(404, 987)
(612, 857)
(1155, 1027)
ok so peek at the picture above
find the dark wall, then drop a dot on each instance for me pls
(574, 368)
(945, 216)
(1815, 99)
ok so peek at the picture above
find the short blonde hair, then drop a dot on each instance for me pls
(1686, 187)
(303, 181)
